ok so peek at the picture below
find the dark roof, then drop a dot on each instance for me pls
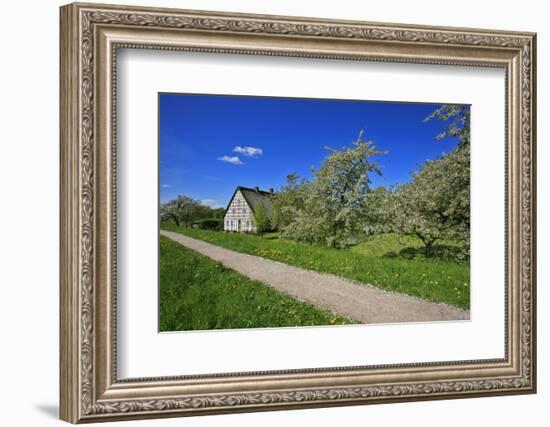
(254, 197)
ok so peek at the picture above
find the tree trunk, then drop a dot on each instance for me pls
(428, 249)
(428, 244)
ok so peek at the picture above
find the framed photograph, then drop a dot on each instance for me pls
(265, 212)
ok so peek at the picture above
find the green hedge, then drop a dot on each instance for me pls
(209, 224)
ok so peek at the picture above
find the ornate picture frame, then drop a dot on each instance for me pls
(90, 37)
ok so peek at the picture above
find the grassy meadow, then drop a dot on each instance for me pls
(197, 293)
(387, 261)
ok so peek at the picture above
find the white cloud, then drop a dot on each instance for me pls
(165, 186)
(249, 151)
(211, 203)
(234, 160)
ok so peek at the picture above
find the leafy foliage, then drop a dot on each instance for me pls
(459, 125)
(289, 201)
(436, 203)
(379, 211)
(332, 203)
(184, 210)
(209, 224)
(262, 220)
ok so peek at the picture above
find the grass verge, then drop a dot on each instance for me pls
(197, 293)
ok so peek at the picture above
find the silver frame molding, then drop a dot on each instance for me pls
(90, 37)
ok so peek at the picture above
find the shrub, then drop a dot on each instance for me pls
(209, 224)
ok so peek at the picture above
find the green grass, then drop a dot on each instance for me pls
(372, 261)
(197, 293)
(409, 247)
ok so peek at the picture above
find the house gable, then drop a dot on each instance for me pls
(239, 213)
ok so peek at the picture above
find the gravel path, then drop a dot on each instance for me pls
(363, 303)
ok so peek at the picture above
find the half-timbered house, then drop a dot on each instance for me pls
(239, 215)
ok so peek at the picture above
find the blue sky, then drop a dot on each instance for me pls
(210, 144)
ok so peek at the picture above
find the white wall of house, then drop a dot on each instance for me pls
(239, 216)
